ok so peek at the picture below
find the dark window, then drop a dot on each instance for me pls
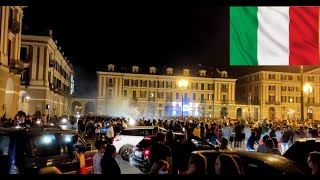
(9, 52)
(23, 53)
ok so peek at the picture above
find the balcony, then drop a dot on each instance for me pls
(16, 66)
(14, 26)
(313, 104)
(202, 101)
(272, 103)
(151, 99)
(224, 101)
(135, 99)
(169, 100)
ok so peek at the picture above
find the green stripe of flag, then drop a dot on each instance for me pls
(243, 35)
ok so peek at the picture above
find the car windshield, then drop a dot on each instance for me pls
(145, 143)
(4, 145)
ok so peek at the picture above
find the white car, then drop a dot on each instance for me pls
(130, 137)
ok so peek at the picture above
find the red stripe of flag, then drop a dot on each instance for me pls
(304, 35)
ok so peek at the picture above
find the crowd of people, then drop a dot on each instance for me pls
(262, 136)
(168, 155)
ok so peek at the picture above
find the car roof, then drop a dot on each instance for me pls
(307, 140)
(142, 127)
(33, 130)
(272, 159)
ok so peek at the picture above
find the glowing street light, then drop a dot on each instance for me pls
(308, 90)
(182, 85)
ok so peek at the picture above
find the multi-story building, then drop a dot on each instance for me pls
(47, 79)
(279, 93)
(156, 95)
(10, 64)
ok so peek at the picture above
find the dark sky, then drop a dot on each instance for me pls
(93, 36)
(155, 33)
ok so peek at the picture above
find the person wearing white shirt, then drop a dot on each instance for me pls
(97, 157)
(97, 130)
(110, 134)
(226, 132)
(247, 134)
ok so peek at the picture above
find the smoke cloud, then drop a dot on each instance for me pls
(117, 107)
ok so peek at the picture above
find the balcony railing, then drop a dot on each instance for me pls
(16, 66)
(313, 104)
(202, 101)
(224, 101)
(135, 99)
(272, 103)
(14, 26)
(169, 100)
(151, 99)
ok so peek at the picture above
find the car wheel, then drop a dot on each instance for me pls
(125, 152)
(143, 169)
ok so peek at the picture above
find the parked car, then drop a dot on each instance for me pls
(31, 150)
(254, 163)
(299, 151)
(140, 157)
(130, 137)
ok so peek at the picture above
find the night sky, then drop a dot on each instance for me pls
(93, 35)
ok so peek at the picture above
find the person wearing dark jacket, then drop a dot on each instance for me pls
(109, 165)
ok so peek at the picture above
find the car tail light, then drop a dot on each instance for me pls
(146, 152)
(117, 138)
(147, 138)
(14, 170)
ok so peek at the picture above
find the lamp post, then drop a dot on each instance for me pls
(182, 85)
(307, 89)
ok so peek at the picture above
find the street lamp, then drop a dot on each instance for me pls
(182, 85)
(308, 90)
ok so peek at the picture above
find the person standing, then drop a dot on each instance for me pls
(109, 165)
(160, 151)
(110, 133)
(314, 162)
(97, 157)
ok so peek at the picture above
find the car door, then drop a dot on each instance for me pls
(47, 151)
(83, 144)
(128, 137)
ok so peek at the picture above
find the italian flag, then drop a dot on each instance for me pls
(274, 35)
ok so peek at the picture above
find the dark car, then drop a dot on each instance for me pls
(254, 163)
(31, 150)
(299, 152)
(140, 156)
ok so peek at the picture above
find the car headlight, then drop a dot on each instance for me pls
(64, 120)
(38, 122)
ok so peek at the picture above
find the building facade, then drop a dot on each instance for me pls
(155, 95)
(47, 79)
(83, 106)
(279, 93)
(10, 64)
